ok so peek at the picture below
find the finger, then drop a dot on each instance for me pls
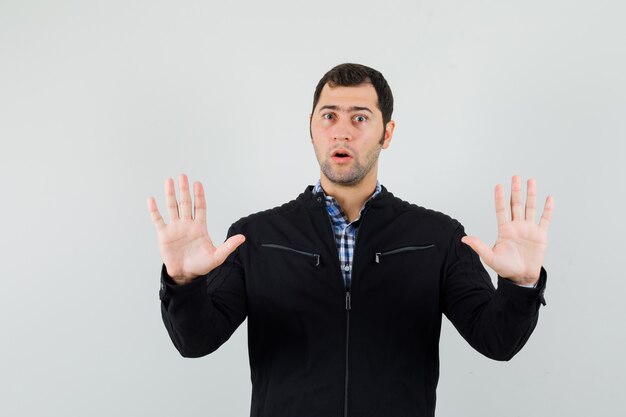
(199, 208)
(531, 197)
(501, 213)
(516, 198)
(228, 247)
(158, 221)
(170, 199)
(546, 216)
(184, 208)
(481, 248)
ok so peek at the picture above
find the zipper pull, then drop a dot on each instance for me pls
(377, 257)
(317, 259)
(348, 301)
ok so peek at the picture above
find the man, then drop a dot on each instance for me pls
(344, 287)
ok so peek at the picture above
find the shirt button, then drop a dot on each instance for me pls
(346, 268)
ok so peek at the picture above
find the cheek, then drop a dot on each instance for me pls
(317, 130)
(318, 135)
(316, 146)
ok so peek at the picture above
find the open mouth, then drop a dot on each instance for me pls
(341, 155)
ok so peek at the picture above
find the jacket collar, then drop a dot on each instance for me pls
(310, 199)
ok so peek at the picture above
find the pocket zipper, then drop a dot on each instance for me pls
(275, 246)
(404, 249)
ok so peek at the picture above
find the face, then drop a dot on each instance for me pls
(348, 134)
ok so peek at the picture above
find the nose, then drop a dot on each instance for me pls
(343, 129)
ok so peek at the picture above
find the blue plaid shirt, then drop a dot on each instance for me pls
(345, 233)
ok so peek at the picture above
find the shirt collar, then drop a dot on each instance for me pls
(317, 189)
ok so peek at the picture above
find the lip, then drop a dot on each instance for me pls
(339, 160)
(341, 150)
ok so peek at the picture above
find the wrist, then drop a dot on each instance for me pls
(184, 280)
(527, 282)
(530, 280)
(179, 279)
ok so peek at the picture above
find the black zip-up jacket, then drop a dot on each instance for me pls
(318, 349)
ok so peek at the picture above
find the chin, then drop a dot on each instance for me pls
(344, 180)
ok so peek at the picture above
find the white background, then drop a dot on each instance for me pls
(100, 101)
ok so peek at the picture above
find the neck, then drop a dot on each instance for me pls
(351, 198)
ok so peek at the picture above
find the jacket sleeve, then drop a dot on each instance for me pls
(497, 323)
(202, 315)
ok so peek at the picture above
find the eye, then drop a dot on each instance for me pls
(360, 118)
(327, 116)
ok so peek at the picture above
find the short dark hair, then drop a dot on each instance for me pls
(348, 75)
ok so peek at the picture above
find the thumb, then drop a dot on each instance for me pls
(481, 248)
(225, 249)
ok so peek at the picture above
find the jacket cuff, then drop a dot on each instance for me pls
(511, 289)
(170, 289)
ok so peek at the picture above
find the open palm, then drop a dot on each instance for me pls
(521, 246)
(185, 245)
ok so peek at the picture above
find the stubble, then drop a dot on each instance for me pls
(355, 173)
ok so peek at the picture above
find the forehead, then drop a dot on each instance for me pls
(360, 95)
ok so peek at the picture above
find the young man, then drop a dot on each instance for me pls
(344, 287)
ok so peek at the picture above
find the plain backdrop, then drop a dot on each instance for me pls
(101, 101)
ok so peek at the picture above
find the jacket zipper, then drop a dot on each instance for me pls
(348, 308)
(316, 256)
(348, 305)
(378, 255)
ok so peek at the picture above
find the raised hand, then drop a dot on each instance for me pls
(185, 245)
(521, 245)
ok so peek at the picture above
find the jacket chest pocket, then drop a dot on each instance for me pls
(290, 278)
(387, 255)
(313, 257)
(406, 276)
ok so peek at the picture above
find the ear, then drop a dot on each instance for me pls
(388, 133)
(310, 131)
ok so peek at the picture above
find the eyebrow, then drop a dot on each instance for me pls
(349, 109)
